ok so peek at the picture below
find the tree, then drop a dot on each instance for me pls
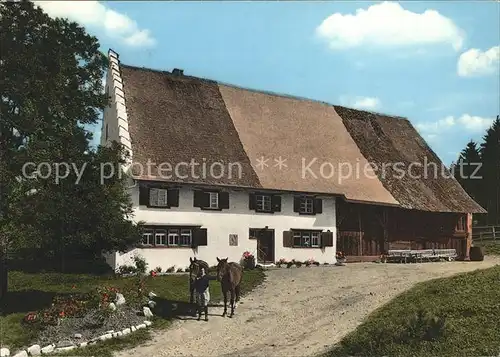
(51, 71)
(490, 154)
(468, 171)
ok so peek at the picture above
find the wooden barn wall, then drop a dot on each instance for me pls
(361, 230)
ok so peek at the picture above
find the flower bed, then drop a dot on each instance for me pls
(73, 319)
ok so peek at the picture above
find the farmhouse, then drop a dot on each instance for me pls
(217, 170)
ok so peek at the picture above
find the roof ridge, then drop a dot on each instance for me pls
(263, 91)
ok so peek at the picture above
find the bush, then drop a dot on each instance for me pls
(140, 264)
(171, 269)
(127, 269)
(476, 254)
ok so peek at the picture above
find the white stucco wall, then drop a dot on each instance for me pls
(237, 220)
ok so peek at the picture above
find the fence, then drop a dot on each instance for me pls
(486, 234)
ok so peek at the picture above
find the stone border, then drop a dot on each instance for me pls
(36, 350)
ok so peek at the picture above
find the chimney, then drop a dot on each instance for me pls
(178, 72)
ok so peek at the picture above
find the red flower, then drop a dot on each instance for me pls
(73, 287)
(153, 273)
(61, 314)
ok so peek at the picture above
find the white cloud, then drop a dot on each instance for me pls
(361, 102)
(93, 14)
(474, 62)
(469, 122)
(437, 126)
(475, 123)
(388, 24)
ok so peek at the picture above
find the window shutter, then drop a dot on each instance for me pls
(296, 204)
(200, 237)
(276, 203)
(224, 200)
(326, 239)
(318, 205)
(143, 195)
(251, 201)
(173, 197)
(287, 239)
(200, 199)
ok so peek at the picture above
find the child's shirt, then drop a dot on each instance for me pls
(201, 283)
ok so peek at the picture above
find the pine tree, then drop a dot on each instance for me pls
(468, 170)
(490, 154)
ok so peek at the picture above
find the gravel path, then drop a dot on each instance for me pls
(298, 311)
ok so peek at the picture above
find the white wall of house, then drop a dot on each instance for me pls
(220, 224)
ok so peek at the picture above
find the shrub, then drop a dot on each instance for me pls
(476, 254)
(171, 269)
(127, 269)
(180, 270)
(290, 263)
(298, 264)
(158, 269)
(140, 264)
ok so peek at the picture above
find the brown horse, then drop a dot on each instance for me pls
(229, 275)
(194, 269)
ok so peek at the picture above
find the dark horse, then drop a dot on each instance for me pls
(194, 269)
(229, 275)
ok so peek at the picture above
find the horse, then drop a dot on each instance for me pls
(194, 269)
(229, 275)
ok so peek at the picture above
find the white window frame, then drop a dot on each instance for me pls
(173, 237)
(315, 239)
(160, 238)
(213, 200)
(158, 197)
(306, 205)
(186, 237)
(263, 203)
(149, 238)
(312, 237)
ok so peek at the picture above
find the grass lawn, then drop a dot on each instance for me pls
(490, 248)
(31, 292)
(457, 316)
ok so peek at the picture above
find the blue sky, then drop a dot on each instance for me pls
(436, 63)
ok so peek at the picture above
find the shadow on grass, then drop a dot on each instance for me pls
(25, 301)
(180, 310)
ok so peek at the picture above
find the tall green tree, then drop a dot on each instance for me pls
(490, 154)
(51, 72)
(468, 170)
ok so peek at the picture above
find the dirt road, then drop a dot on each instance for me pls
(298, 311)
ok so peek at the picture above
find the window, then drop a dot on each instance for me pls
(160, 238)
(173, 237)
(306, 239)
(186, 237)
(211, 200)
(263, 203)
(214, 200)
(158, 197)
(147, 238)
(307, 205)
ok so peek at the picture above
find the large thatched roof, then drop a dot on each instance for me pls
(174, 118)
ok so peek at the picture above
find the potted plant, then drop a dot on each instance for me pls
(248, 260)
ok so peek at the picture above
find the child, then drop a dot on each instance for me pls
(201, 286)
